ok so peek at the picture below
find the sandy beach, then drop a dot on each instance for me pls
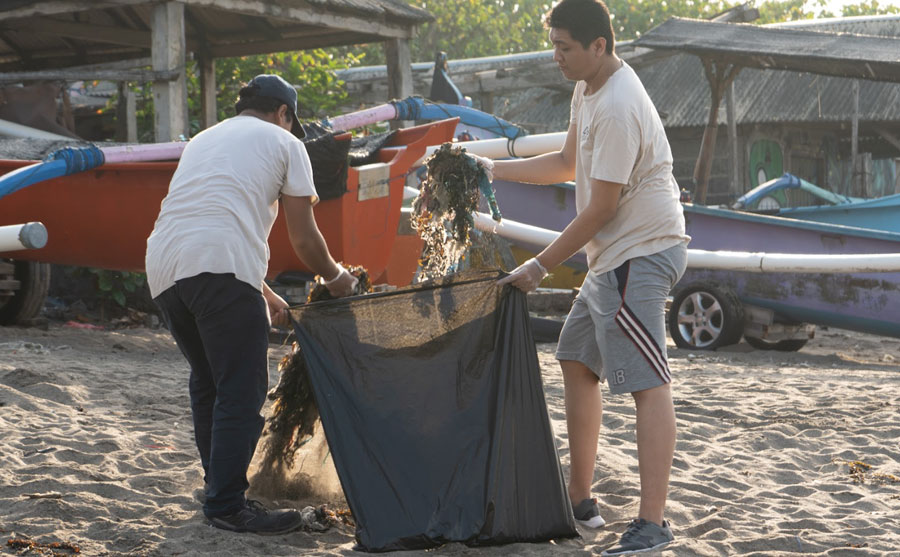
(778, 453)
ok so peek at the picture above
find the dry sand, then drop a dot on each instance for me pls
(98, 451)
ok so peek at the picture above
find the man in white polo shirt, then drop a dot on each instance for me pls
(206, 262)
(630, 222)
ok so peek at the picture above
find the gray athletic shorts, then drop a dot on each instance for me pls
(617, 325)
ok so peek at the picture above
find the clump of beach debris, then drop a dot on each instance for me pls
(443, 213)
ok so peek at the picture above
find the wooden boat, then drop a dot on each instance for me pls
(771, 310)
(794, 198)
(865, 302)
(102, 217)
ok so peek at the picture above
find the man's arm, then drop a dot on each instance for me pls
(310, 247)
(549, 168)
(600, 210)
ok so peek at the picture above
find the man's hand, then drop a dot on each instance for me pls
(342, 284)
(485, 163)
(278, 310)
(527, 276)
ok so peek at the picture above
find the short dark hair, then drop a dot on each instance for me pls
(585, 20)
(249, 100)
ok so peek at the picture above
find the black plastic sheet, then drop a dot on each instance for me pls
(432, 403)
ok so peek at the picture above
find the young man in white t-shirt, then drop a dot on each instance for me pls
(206, 263)
(630, 222)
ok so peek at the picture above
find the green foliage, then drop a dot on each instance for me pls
(313, 72)
(631, 18)
(116, 285)
(470, 29)
(869, 8)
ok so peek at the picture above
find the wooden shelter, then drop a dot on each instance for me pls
(114, 39)
(725, 48)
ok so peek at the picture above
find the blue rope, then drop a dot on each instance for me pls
(78, 159)
(62, 162)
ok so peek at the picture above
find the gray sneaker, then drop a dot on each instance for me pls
(640, 537)
(587, 513)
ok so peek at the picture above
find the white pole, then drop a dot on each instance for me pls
(13, 129)
(32, 235)
(719, 260)
(502, 148)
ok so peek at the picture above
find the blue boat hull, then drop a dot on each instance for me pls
(876, 214)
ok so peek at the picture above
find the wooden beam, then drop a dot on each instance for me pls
(131, 64)
(719, 76)
(293, 43)
(399, 73)
(890, 138)
(82, 31)
(54, 7)
(142, 76)
(733, 141)
(126, 115)
(307, 14)
(208, 113)
(854, 138)
(168, 54)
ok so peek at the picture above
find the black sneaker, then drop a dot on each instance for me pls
(587, 513)
(255, 518)
(642, 536)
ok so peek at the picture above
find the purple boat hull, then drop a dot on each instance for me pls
(865, 302)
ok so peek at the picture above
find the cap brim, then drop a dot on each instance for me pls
(296, 128)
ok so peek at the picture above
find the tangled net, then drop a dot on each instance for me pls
(443, 212)
(294, 412)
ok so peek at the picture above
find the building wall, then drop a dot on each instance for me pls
(818, 155)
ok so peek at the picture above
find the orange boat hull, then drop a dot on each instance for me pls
(102, 218)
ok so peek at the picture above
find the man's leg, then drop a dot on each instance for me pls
(656, 448)
(584, 409)
(183, 327)
(232, 322)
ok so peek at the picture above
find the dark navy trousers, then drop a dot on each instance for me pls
(221, 326)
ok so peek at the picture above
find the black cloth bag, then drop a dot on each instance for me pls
(433, 407)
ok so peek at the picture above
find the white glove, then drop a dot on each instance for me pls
(485, 163)
(342, 284)
(527, 276)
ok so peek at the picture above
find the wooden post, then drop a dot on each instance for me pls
(126, 115)
(897, 175)
(168, 53)
(736, 188)
(399, 73)
(719, 79)
(854, 140)
(209, 114)
(487, 102)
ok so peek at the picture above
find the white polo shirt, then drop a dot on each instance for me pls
(621, 139)
(223, 200)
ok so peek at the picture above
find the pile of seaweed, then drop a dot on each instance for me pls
(294, 412)
(443, 212)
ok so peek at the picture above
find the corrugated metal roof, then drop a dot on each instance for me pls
(768, 47)
(680, 91)
(679, 87)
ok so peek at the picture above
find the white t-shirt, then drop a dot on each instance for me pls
(621, 139)
(223, 200)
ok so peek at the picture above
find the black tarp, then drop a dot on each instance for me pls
(432, 403)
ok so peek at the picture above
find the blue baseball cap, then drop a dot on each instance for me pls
(274, 86)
